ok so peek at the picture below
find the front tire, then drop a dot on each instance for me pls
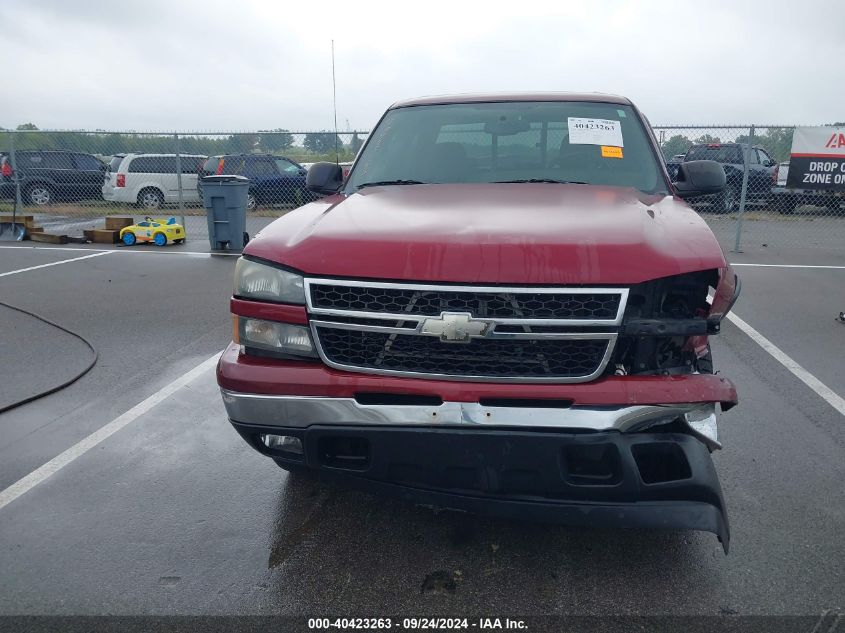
(129, 238)
(150, 199)
(39, 195)
(251, 202)
(727, 201)
(788, 205)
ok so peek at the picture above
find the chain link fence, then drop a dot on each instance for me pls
(757, 210)
(70, 181)
(66, 182)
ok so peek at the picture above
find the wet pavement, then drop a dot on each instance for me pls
(174, 514)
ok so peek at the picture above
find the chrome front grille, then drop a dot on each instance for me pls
(497, 305)
(485, 333)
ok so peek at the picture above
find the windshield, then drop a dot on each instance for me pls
(582, 142)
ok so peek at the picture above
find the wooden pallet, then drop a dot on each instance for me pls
(102, 236)
(49, 238)
(117, 222)
(28, 222)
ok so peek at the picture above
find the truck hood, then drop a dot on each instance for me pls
(532, 233)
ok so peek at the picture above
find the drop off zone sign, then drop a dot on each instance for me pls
(818, 159)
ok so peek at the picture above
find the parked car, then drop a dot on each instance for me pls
(48, 176)
(762, 173)
(151, 180)
(787, 201)
(272, 179)
(505, 319)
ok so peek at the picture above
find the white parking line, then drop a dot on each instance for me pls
(38, 475)
(790, 266)
(825, 392)
(63, 261)
(127, 251)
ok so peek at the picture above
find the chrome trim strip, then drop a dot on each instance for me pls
(492, 334)
(609, 336)
(623, 300)
(304, 411)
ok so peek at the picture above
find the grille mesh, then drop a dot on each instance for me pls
(480, 357)
(502, 305)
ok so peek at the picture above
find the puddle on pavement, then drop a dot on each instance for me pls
(439, 582)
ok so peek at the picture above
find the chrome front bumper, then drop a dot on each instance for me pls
(305, 411)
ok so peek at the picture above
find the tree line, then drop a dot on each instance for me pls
(323, 145)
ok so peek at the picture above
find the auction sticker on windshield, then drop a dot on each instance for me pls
(595, 132)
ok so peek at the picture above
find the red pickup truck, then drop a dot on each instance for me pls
(504, 308)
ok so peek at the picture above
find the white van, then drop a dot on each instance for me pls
(150, 180)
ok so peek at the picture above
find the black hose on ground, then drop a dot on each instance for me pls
(66, 383)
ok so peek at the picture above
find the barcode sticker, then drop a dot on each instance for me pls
(595, 132)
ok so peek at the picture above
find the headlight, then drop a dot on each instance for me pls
(281, 338)
(259, 281)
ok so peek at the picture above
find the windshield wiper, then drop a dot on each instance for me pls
(559, 182)
(380, 183)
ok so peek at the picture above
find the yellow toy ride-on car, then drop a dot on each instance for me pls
(158, 231)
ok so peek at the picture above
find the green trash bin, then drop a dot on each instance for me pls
(224, 199)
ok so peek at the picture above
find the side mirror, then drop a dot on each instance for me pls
(699, 178)
(324, 178)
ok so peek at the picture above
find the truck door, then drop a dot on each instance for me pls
(90, 175)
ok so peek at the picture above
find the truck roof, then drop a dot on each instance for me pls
(493, 97)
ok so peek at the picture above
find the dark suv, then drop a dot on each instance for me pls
(47, 176)
(272, 179)
(762, 173)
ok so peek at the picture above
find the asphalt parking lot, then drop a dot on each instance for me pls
(171, 513)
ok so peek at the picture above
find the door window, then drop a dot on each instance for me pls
(263, 168)
(87, 162)
(287, 167)
(752, 157)
(57, 160)
(153, 165)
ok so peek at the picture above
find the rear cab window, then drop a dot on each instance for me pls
(719, 153)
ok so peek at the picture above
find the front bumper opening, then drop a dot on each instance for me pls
(344, 452)
(660, 462)
(592, 464)
(604, 478)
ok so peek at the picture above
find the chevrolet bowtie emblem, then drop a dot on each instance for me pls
(455, 327)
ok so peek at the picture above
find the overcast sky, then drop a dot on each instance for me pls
(223, 65)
